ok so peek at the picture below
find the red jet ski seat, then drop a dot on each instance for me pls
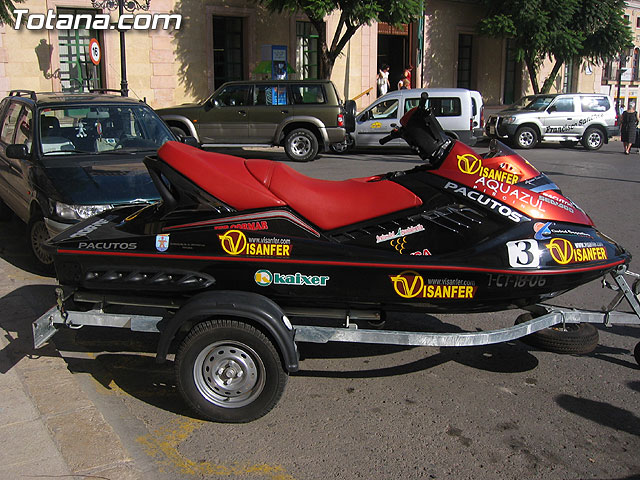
(251, 184)
(332, 204)
(223, 176)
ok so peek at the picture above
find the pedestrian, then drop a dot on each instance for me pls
(628, 125)
(406, 84)
(383, 80)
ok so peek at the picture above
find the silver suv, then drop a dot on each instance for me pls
(567, 118)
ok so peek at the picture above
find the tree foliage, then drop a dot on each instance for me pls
(562, 30)
(6, 11)
(353, 15)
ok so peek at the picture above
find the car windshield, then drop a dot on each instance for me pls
(534, 103)
(97, 129)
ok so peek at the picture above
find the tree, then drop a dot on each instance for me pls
(6, 11)
(592, 30)
(353, 15)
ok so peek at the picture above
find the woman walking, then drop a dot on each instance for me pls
(628, 126)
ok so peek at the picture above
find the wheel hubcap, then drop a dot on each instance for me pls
(39, 235)
(526, 139)
(229, 374)
(593, 140)
(300, 146)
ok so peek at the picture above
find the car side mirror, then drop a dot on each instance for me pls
(365, 116)
(210, 103)
(18, 151)
(191, 141)
(552, 109)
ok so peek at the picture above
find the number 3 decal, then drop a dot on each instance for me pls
(524, 253)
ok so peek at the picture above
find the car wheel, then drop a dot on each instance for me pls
(301, 145)
(593, 138)
(526, 137)
(636, 353)
(229, 371)
(38, 236)
(179, 132)
(574, 338)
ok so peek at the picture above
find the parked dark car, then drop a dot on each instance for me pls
(304, 116)
(65, 157)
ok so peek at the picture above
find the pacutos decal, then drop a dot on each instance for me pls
(410, 284)
(234, 242)
(472, 165)
(376, 125)
(564, 252)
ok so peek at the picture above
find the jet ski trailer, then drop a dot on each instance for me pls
(240, 376)
(242, 259)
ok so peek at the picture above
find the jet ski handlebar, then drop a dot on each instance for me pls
(422, 131)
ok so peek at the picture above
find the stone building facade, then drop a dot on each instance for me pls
(227, 39)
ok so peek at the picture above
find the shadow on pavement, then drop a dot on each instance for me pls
(17, 312)
(601, 413)
(14, 246)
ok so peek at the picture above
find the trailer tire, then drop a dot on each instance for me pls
(636, 353)
(228, 371)
(578, 338)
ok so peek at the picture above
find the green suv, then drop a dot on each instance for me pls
(304, 116)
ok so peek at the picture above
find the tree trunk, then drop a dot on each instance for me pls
(533, 77)
(548, 83)
(328, 55)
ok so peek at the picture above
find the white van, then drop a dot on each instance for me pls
(458, 110)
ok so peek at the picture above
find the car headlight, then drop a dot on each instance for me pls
(509, 119)
(79, 212)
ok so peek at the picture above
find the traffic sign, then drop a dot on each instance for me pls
(94, 51)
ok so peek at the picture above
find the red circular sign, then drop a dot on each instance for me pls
(94, 51)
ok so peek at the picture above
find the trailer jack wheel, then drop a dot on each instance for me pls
(574, 338)
(228, 371)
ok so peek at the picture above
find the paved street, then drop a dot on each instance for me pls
(507, 411)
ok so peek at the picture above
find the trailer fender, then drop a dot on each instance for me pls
(237, 305)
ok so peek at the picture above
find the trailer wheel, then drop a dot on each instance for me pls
(636, 353)
(228, 371)
(577, 338)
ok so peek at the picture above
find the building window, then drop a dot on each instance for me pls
(77, 72)
(307, 52)
(228, 60)
(638, 22)
(636, 60)
(465, 49)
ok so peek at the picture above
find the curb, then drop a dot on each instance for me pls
(48, 425)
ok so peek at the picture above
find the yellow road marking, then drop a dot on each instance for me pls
(162, 444)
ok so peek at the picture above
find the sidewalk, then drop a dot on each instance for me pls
(48, 425)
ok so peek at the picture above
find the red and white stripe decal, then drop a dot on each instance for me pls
(249, 217)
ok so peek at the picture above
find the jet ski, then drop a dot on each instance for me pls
(463, 232)
(237, 247)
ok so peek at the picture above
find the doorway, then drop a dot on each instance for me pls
(393, 50)
(228, 49)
